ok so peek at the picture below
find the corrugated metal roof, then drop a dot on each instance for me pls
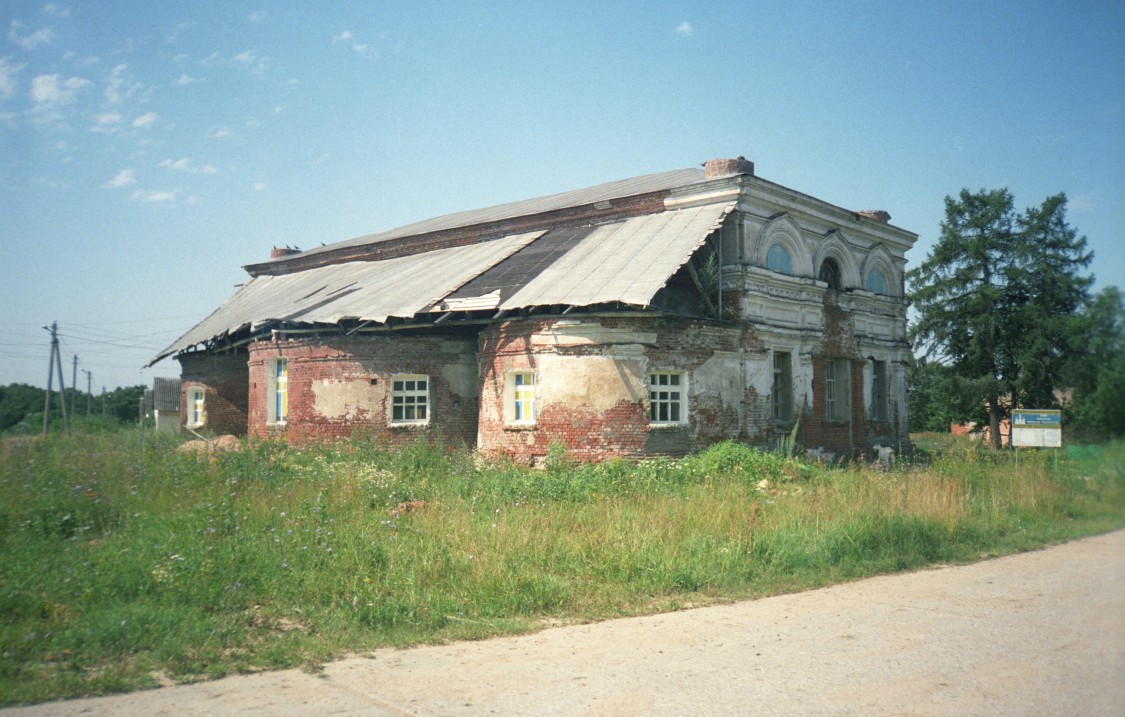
(626, 262)
(362, 290)
(576, 198)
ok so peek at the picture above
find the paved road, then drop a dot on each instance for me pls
(1040, 633)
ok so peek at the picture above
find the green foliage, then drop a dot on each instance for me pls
(999, 303)
(1098, 377)
(121, 557)
(21, 409)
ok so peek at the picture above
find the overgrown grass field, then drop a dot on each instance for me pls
(125, 564)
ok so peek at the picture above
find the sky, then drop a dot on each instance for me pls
(149, 150)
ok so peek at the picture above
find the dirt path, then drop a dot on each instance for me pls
(1040, 633)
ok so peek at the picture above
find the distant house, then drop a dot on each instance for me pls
(161, 404)
(652, 315)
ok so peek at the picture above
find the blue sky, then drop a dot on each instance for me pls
(149, 150)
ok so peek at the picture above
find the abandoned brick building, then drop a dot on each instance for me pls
(653, 315)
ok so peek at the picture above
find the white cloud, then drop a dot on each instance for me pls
(347, 36)
(145, 120)
(107, 119)
(219, 132)
(257, 16)
(122, 179)
(256, 65)
(685, 28)
(185, 165)
(186, 79)
(8, 77)
(52, 9)
(260, 186)
(52, 91)
(153, 195)
(116, 80)
(28, 42)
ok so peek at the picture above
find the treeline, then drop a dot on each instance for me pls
(1005, 319)
(21, 408)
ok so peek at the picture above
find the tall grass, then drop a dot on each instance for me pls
(124, 563)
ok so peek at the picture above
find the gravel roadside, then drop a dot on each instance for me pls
(1040, 633)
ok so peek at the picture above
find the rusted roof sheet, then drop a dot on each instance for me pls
(363, 290)
(625, 262)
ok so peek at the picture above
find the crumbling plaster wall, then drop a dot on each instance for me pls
(797, 314)
(592, 385)
(339, 387)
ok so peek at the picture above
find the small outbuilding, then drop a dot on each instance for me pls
(652, 315)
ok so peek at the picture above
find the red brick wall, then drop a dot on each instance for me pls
(224, 380)
(624, 428)
(339, 387)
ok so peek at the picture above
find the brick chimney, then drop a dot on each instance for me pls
(875, 214)
(279, 252)
(716, 168)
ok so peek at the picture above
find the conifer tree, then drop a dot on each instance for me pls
(959, 295)
(999, 302)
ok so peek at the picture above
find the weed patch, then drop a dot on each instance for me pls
(125, 564)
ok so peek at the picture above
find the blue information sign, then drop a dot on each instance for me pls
(1035, 428)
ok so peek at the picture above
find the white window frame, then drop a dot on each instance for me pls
(277, 392)
(836, 392)
(781, 388)
(197, 403)
(879, 392)
(412, 400)
(667, 398)
(520, 399)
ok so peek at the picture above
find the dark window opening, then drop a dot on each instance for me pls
(830, 274)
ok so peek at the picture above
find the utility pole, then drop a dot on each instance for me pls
(89, 391)
(103, 401)
(73, 385)
(55, 363)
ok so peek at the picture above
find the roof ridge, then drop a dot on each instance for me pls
(605, 191)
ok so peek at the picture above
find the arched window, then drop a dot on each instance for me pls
(876, 282)
(830, 274)
(777, 259)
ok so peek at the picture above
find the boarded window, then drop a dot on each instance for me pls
(879, 391)
(782, 390)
